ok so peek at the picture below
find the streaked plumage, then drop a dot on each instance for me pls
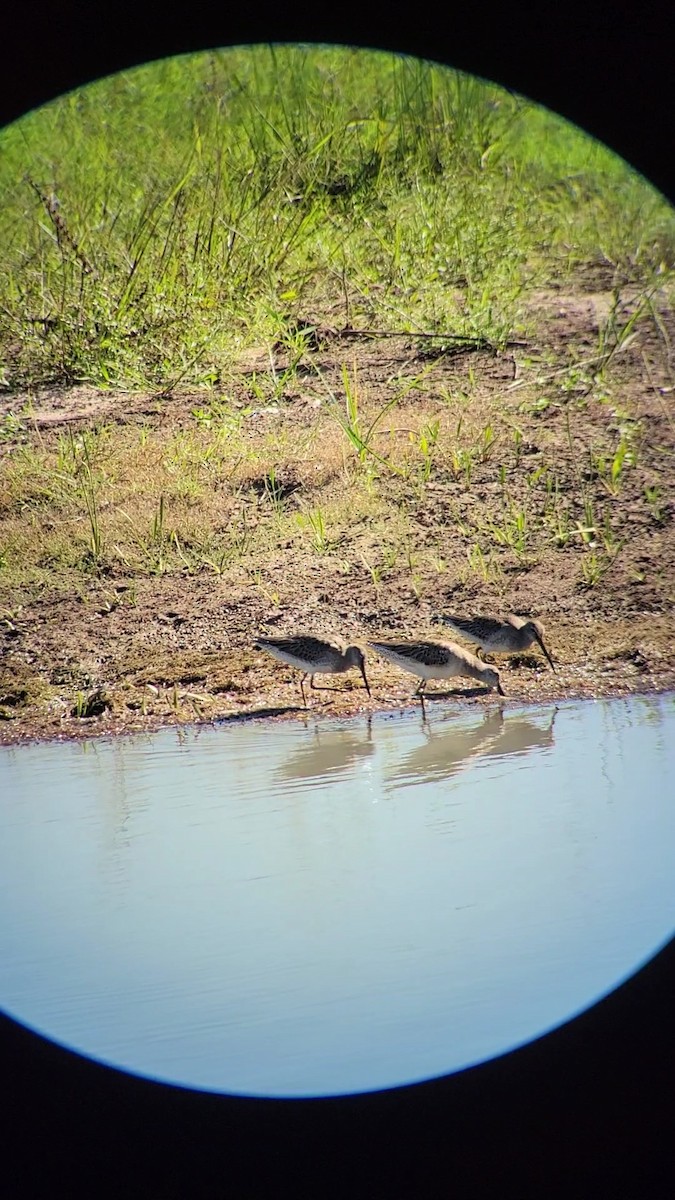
(499, 637)
(434, 660)
(314, 657)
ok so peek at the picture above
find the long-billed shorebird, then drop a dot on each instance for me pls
(314, 657)
(499, 637)
(434, 660)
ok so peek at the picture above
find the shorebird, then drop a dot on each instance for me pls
(314, 657)
(499, 637)
(434, 660)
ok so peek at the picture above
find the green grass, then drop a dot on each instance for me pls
(216, 496)
(157, 222)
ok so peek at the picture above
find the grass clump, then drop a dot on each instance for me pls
(154, 223)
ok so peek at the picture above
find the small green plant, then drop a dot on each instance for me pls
(258, 389)
(157, 537)
(577, 381)
(314, 521)
(219, 562)
(11, 427)
(513, 532)
(552, 486)
(482, 564)
(131, 595)
(539, 405)
(518, 444)
(595, 564)
(540, 473)
(174, 540)
(221, 415)
(654, 498)
(561, 529)
(91, 705)
(411, 560)
(297, 341)
(374, 572)
(487, 440)
(88, 486)
(426, 443)
(558, 521)
(269, 388)
(624, 456)
(587, 529)
(619, 328)
(110, 603)
(274, 489)
(271, 597)
(462, 463)
(592, 569)
(352, 427)
(351, 424)
(610, 470)
(611, 543)
(237, 547)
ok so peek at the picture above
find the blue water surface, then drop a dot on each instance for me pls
(321, 907)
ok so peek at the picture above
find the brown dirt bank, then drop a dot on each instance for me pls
(184, 654)
(120, 648)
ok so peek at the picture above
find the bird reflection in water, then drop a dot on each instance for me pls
(450, 747)
(331, 753)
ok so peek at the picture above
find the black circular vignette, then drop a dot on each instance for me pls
(582, 1112)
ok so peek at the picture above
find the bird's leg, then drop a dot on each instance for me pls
(419, 690)
(302, 688)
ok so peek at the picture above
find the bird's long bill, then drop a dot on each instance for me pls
(363, 672)
(541, 643)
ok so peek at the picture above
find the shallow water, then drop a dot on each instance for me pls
(327, 907)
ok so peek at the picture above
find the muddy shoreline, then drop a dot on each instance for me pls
(273, 693)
